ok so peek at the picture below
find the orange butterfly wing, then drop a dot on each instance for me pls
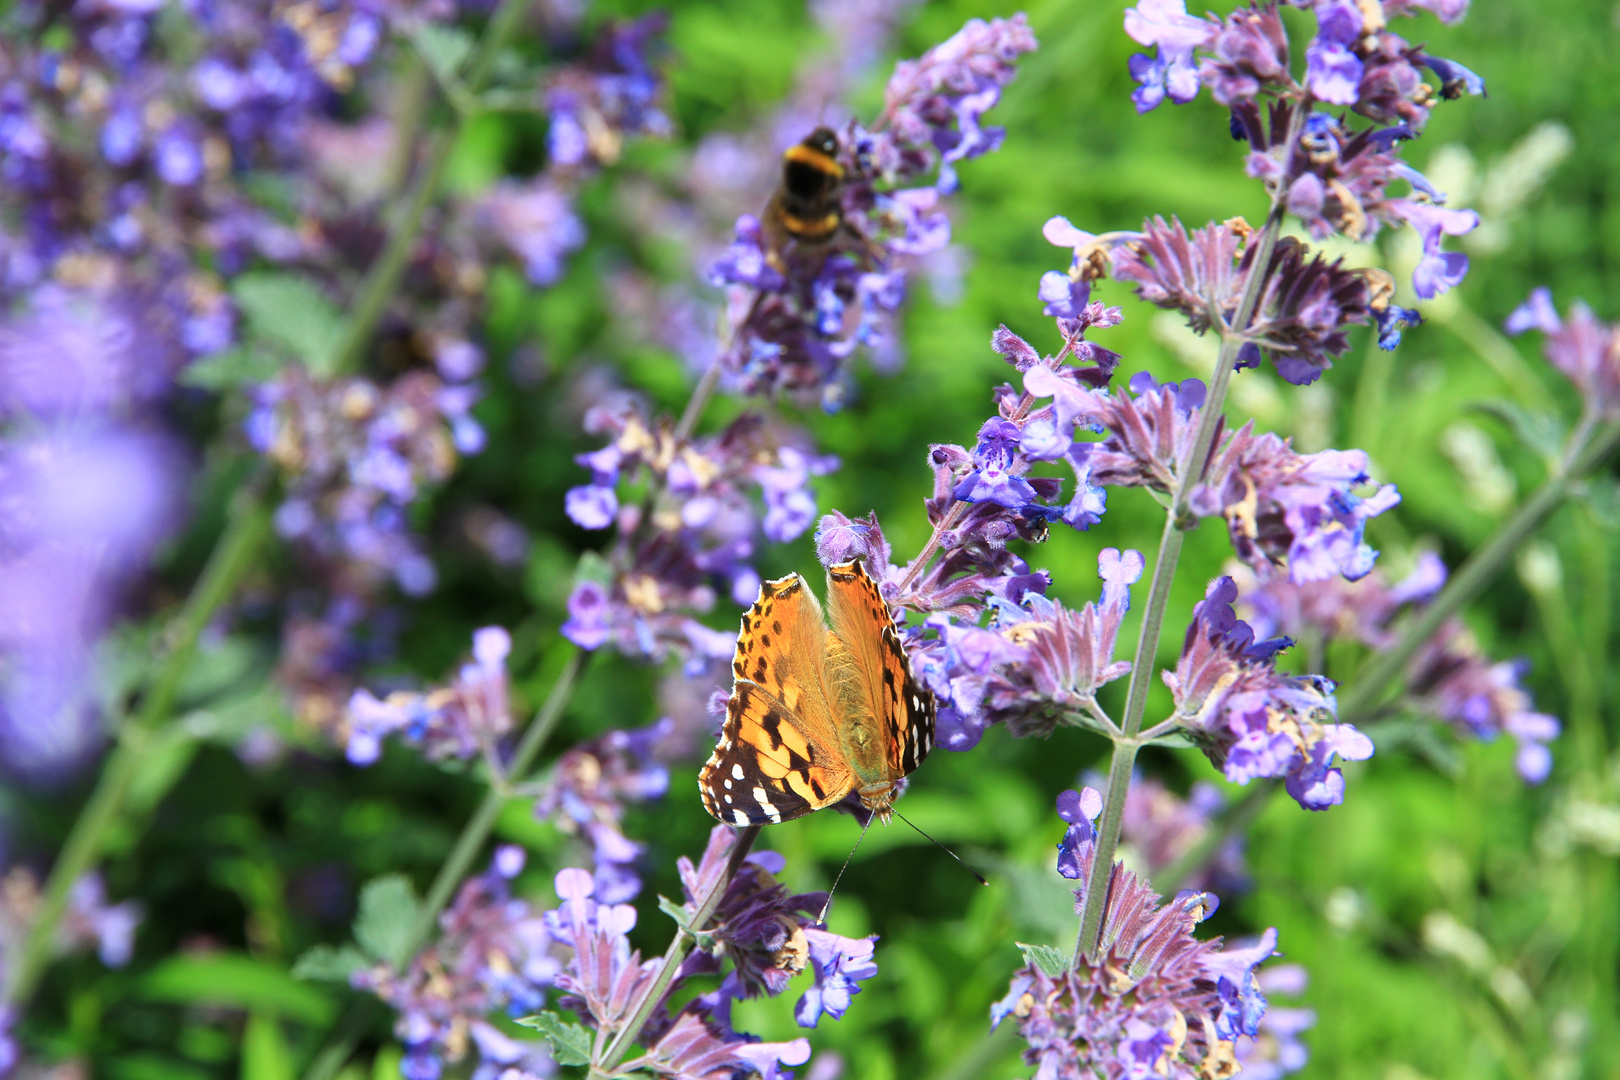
(903, 707)
(778, 757)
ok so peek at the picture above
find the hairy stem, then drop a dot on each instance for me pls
(1471, 578)
(678, 949)
(358, 1018)
(245, 530)
(383, 278)
(1144, 666)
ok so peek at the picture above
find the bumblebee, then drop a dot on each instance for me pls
(805, 212)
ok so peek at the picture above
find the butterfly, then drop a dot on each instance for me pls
(817, 711)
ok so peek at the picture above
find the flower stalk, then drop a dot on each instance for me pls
(1589, 448)
(346, 1036)
(1144, 665)
(245, 531)
(678, 949)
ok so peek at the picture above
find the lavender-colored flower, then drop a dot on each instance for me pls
(1149, 433)
(1437, 270)
(770, 935)
(82, 505)
(1251, 720)
(1451, 679)
(957, 80)
(700, 1045)
(701, 530)
(588, 789)
(534, 220)
(1290, 510)
(90, 919)
(1037, 664)
(1171, 72)
(493, 955)
(1152, 1001)
(603, 978)
(613, 94)
(1582, 348)
(1197, 275)
(759, 926)
(461, 720)
(356, 456)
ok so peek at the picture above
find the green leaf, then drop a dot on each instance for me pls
(229, 369)
(292, 312)
(233, 980)
(265, 1055)
(323, 963)
(443, 48)
(570, 1043)
(388, 913)
(1541, 432)
(673, 910)
(1049, 959)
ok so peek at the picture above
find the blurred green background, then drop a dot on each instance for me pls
(1455, 923)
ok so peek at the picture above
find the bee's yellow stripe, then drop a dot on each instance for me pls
(813, 229)
(809, 155)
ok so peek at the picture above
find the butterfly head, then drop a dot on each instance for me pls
(879, 799)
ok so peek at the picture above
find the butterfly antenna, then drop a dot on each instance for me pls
(943, 848)
(822, 918)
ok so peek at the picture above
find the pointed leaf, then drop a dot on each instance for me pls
(570, 1043)
(1049, 959)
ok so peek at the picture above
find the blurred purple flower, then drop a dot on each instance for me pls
(588, 789)
(493, 955)
(1584, 349)
(701, 531)
(81, 508)
(461, 720)
(535, 221)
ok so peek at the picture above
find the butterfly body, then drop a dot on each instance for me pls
(819, 708)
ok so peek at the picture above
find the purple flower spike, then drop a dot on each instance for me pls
(1154, 1002)
(1037, 661)
(461, 720)
(1251, 720)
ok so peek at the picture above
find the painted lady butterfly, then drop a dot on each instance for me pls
(817, 712)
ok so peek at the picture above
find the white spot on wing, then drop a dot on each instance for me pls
(739, 818)
(737, 774)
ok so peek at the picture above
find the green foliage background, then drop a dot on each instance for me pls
(263, 864)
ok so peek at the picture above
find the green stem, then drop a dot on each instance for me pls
(1476, 572)
(679, 947)
(357, 1020)
(1145, 664)
(382, 280)
(246, 528)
